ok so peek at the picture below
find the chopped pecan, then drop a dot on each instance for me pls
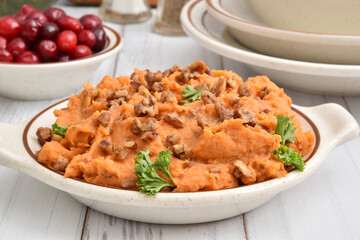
(167, 96)
(136, 126)
(200, 67)
(231, 82)
(106, 146)
(264, 91)
(175, 68)
(151, 77)
(181, 151)
(136, 84)
(104, 118)
(141, 110)
(143, 91)
(235, 102)
(214, 169)
(135, 76)
(183, 77)
(202, 121)
(222, 112)
(56, 137)
(174, 119)
(120, 152)
(172, 139)
(217, 88)
(61, 163)
(244, 90)
(266, 110)
(44, 135)
(206, 87)
(150, 125)
(89, 95)
(245, 115)
(120, 118)
(149, 136)
(131, 145)
(241, 166)
(207, 97)
(157, 87)
(118, 93)
(128, 183)
(149, 101)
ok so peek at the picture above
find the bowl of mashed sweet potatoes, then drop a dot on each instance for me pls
(183, 145)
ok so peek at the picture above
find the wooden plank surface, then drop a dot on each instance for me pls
(325, 206)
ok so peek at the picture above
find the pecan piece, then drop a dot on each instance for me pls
(235, 102)
(135, 76)
(106, 146)
(128, 182)
(244, 90)
(218, 87)
(167, 96)
(241, 166)
(130, 144)
(44, 135)
(264, 91)
(231, 82)
(149, 136)
(174, 119)
(141, 110)
(56, 137)
(245, 115)
(181, 151)
(172, 139)
(150, 125)
(223, 113)
(120, 152)
(202, 121)
(208, 97)
(118, 93)
(104, 118)
(61, 163)
(136, 126)
(143, 91)
(149, 101)
(200, 67)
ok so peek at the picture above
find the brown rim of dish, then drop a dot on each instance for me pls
(209, 3)
(117, 42)
(29, 151)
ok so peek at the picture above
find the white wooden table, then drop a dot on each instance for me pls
(326, 206)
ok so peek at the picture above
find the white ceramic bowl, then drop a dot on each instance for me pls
(18, 144)
(249, 29)
(309, 77)
(52, 80)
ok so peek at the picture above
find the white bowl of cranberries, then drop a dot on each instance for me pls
(49, 54)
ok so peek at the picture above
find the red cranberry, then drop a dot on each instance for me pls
(30, 30)
(87, 37)
(48, 50)
(90, 21)
(49, 30)
(70, 23)
(100, 38)
(64, 57)
(28, 57)
(54, 14)
(66, 41)
(17, 46)
(20, 16)
(6, 56)
(9, 27)
(3, 43)
(38, 16)
(27, 9)
(81, 51)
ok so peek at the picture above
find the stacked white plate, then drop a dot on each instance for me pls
(292, 59)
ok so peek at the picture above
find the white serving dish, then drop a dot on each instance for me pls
(52, 80)
(250, 30)
(308, 77)
(331, 125)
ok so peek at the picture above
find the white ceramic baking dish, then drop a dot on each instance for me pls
(331, 125)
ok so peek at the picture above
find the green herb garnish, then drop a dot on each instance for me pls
(57, 129)
(286, 130)
(191, 94)
(148, 179)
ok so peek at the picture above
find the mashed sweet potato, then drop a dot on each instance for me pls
(224, 140)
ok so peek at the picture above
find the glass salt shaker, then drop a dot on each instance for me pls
(167, 19)
(125, 11)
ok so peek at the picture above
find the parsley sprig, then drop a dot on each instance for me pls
(148, 179)
(286, 130)
(191, 94)
(57, 129)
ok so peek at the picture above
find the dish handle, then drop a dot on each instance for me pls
(12, 151)
(335, 124)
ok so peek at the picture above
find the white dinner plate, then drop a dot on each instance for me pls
(331, 79)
